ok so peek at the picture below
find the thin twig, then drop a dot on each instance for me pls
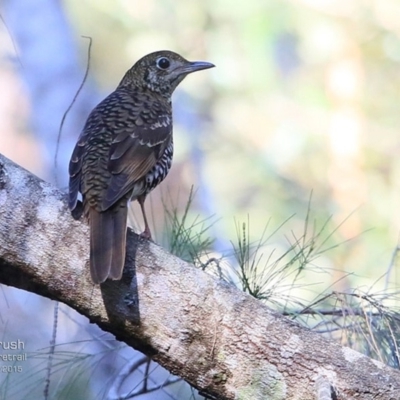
(69, 109)
(51, 351)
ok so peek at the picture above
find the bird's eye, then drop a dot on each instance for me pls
(163, 63)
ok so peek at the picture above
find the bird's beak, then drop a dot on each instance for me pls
(193, 67)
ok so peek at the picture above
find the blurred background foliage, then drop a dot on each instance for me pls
(302, 105)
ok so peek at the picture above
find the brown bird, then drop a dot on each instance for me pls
(124, 151)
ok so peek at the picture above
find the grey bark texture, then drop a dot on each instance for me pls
(220, 340)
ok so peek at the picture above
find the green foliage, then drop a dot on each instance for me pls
(185, 235)
(69, 376)
(367, 322)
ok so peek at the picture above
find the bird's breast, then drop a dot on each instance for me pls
(159, 172)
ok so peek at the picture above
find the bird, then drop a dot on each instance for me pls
(124, 151)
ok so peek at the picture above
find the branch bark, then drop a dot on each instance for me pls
(220, 340)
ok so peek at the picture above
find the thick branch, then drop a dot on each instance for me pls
(220, 340)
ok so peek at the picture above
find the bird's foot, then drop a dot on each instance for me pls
(146, 234)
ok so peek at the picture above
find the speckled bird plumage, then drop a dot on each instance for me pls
(124, 151)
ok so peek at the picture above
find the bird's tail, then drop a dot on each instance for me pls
(107, 243)
(119, 243)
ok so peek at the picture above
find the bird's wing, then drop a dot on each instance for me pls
(134, 152)
(75, 171)
(92, 129)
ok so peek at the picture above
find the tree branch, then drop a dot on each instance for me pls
(222, 341)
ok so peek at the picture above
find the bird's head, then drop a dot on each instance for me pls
(162, 71)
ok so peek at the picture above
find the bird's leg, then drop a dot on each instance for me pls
(146, 233)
